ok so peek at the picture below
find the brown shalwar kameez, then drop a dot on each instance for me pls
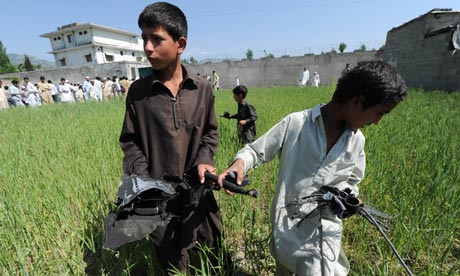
(167, 135)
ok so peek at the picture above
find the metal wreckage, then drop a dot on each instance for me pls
(141, 207)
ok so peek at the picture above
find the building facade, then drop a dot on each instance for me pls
(88, 44)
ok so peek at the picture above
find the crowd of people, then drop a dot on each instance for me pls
(46, 92)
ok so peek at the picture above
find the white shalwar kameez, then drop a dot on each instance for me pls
(311, 246)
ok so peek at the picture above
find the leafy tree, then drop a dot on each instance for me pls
(249, 54)
(5, 65)
(342, 47)
(268, 55)
(193, 60)
(185, 61)
(20, 67)
(363, 47)
(27, 64)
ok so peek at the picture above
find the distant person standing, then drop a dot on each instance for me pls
(45, 91)
(346, 69)
(65, 92)
(215, 81)
(108, 88)
(53, 91)
(237, 82)
(316, 80)
(32, 97)
(3, 99)
(98, 87)
(305, 77)
(86, 87)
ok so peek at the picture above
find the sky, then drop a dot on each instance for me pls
(224, 29)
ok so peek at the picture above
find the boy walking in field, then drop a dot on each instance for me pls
(170, 129)
(320, 147)
(246, 116)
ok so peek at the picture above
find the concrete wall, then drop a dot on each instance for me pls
(422, 51)
(283, 71)
(256, 73)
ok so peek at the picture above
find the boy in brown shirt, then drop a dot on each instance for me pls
(170, 128)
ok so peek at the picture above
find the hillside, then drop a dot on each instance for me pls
(16, 59)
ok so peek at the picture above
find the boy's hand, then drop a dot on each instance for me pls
(242, 122)
(202, 168)
(238, 168)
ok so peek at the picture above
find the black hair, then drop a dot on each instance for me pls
(42, 78)
(168, 16)
(373, 82)
(240, 90)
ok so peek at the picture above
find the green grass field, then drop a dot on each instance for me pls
(61, 166)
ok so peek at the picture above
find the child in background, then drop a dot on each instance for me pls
(320, 147)
(245, 117)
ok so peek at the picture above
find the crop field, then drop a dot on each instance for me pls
(61, 166)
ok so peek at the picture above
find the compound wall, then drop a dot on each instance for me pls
(284, 71)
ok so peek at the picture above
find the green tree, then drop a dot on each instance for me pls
(342, 47)
(193, 60)
(363, 47)
(20, 67)
(249, 54)
(5, 65)
(185, 61)
(27, 64)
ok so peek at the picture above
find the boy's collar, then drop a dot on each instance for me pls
(316, 113)
(185, 77)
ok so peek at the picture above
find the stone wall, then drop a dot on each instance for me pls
(422, 51)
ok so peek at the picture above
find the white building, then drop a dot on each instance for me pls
(86, 44)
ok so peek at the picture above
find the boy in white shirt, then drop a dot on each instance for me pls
(318, 147)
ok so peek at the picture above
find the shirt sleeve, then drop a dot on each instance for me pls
(209, 141)
(252, 114)
(266, 147)
(134, 160)
(357, 175)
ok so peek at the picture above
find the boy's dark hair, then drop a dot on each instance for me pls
(42, 78)
(168, 16)
(373, 82)
(240, 90)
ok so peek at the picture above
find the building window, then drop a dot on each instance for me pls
(54, 39)
(109, 57)
(63, 62)
(121, 53)
(132, 54)
(89, 58)
(85, 32)
(80, 33)
(70, 38)
(59, 38)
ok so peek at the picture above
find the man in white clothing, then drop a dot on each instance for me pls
(305, 77)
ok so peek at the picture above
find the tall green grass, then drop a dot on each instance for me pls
(61, 165)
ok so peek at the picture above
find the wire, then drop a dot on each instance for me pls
(373, 221)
